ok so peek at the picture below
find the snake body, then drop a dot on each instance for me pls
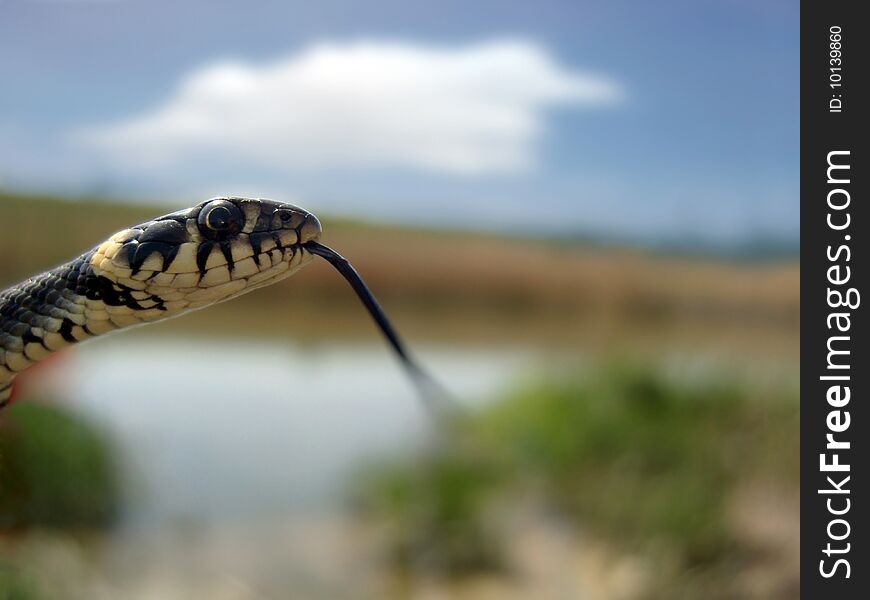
(173, 264)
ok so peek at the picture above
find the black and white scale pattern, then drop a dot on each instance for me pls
(176, 263)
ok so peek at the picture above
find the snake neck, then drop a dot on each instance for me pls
(77, 301)
(51, 311)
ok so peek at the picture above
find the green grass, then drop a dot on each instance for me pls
(640, 459)
(14, 586)
(56, 471)
(436, 511)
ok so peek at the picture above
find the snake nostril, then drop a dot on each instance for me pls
(310, 229)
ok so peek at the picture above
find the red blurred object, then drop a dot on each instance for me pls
(29, 378)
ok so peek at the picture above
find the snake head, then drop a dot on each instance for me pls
(214, 251)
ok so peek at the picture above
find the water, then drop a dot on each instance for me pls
(239, 454)
(218, 429)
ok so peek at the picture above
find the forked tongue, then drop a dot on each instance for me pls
(431, 392)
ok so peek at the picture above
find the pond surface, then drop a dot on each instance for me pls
(216, 429)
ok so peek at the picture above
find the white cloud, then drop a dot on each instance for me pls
(472, 109)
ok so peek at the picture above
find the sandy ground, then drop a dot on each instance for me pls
(336, 557)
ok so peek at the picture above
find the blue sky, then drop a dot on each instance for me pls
(658, 121)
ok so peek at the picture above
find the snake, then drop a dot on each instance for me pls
(171, 265)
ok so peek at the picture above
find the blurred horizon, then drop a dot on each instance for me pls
(751, 249)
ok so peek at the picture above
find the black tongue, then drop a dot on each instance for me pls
(429, 389)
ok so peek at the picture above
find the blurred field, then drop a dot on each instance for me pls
(683, 477)
(446, 286)
(656, 455)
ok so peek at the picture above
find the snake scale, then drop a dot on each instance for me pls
(183, 261)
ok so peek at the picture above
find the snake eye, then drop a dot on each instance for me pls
(220, 217)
